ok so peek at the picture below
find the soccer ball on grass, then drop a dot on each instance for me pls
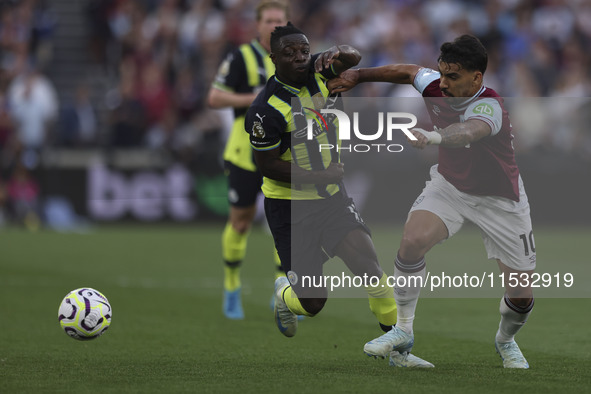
(85, 314)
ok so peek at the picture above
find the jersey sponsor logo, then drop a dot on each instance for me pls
(299, 133)
(319, 115)
(320, 124)
(314, 127)
(257, 130)
(484, 109)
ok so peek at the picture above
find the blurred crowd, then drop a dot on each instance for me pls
(168, 51)
(28, 104)
(163, 54)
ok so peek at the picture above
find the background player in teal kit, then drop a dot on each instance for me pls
(240, 76)
(308, 210)
(476, 179)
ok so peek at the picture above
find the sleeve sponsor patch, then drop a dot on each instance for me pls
(488, 110)
(484, 109)
(257, 130)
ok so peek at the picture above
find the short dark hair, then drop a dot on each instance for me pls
(467, 51)
(281, 31)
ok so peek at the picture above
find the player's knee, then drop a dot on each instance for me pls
(520, 296)
(363, 265)
(241, 226)
(313, 305)
(414, 245)
(369, 267)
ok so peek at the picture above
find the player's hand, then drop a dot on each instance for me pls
(425, 137)
(334, 173)
(326, 59)
(347, 80)
(421, 142)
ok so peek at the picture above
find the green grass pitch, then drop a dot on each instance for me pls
(168, 334)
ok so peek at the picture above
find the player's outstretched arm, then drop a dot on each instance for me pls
(340, 57)
(218, 98)
(271, 166)
(393, 73)
(456, 135)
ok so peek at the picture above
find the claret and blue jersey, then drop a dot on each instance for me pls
(486, 167)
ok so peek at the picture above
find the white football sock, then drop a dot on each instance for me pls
(512, 319)
(407, 296)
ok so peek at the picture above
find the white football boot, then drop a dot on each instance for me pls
(395, 339)
(286, 320)
(406, 359)
(511, 355)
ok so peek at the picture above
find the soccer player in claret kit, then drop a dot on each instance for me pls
(307, 207)
(476, 179)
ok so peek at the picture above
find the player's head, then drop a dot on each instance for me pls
(462, 64)
(290, 52)
(270, 14)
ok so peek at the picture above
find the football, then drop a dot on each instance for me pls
(85, 314)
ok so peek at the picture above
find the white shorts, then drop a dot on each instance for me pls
(505, 225)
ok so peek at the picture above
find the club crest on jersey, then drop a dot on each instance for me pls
(318, 100)
(436, 110)
(292, 277)
(225, 67)
(257, 130)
